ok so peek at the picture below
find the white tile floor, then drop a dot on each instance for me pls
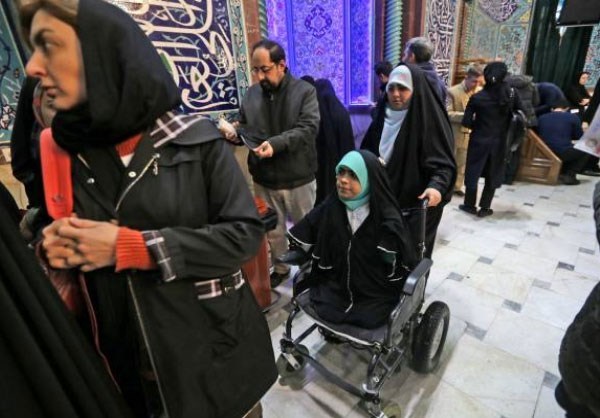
(513, 282)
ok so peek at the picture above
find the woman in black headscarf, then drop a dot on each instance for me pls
(488, 116)
(362, 249)
(335, 137)
(164, 218)
(578, 94)
(412, 134)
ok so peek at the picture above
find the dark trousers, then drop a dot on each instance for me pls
(573, 161)
(592, 163)
(512, 166)
(572, 409)
(434, 216)
(486, 196)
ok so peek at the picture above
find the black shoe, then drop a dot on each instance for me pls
(568, 179)
(485, 212)
(459, 193)
(469, 209)
(277, 278)
(591, 172)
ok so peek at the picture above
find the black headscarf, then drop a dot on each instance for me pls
(494, 74)
(334, 140)
(423, 153)
(128, 87)
(393, 233)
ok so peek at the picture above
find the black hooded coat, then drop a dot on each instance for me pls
(334, 140)
(212, 357)
(423, 154)
(351, 282)
(47, 368)
(579, 357)
(488, 114)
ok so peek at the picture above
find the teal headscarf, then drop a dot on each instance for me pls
(355, 162)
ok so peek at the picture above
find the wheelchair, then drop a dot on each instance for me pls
(408, 334)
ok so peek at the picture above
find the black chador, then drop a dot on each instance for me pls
(357, 277)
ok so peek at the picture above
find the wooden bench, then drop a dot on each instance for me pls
(538, 163)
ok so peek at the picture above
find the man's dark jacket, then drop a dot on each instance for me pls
(289, 117)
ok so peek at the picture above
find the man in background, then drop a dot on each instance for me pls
(458, 97)
(285, 111)
(419, 51)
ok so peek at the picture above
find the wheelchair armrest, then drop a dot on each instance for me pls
(413, 278)
(295, 257)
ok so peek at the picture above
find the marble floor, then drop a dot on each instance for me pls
(513, 282)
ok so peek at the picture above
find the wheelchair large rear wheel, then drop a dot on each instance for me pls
(430, 337)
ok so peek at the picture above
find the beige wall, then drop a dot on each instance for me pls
(13, 185)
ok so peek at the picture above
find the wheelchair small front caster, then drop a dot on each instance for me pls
(288, 364)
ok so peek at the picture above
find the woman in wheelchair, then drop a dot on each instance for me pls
(361, 247)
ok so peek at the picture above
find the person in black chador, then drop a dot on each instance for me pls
(335, 137)
(11, 210)
(579, 359)
(164, 219)
(48, 368)
(362, 249)
(488, 116)
(577, 93)
(412, 134)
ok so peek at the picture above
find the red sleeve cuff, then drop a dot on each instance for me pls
(132, 252)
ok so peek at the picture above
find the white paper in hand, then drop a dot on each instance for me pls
(227, 129)
(590, 141)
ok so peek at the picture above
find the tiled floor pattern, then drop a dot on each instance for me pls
(513, 281)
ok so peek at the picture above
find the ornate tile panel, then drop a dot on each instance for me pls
(11, 74)
(497, 29)
(361, 52)
(318, 37)
(441, 29)
(202, 43)
(592, 61)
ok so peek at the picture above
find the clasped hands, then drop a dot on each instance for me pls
(80, 243)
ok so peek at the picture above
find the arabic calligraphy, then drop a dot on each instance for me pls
(199, 46)
(440, 30)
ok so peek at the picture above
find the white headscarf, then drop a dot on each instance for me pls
(394, 118)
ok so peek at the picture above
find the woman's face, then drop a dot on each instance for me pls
(583, 79)
(348, 186)
(398, 96)
(57, 61)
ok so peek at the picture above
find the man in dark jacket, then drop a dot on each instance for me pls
(285, 111)
(419, 52)
(579, 358)
(548, 94)
(557, 129)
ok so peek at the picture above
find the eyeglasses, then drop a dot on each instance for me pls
(263, 70)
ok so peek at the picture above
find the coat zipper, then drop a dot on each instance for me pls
(136, 306)
(348, 277)
(154, 158)
(138, 313)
